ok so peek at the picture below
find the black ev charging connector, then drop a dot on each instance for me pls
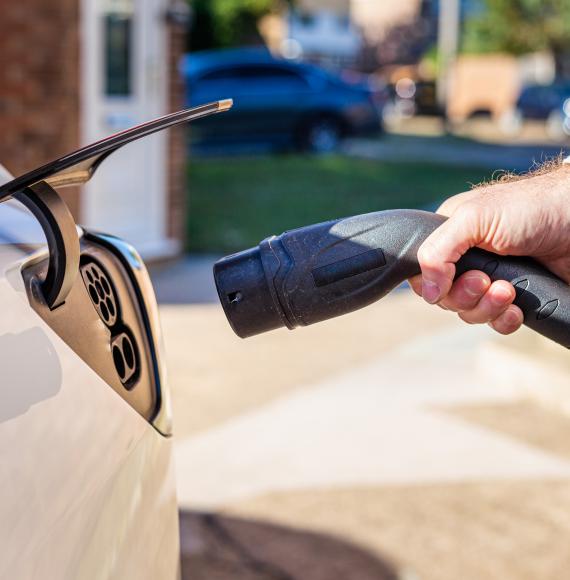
(325, 270)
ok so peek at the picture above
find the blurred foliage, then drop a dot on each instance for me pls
(226, 23)
(235, 202)
(429, 63)
(520, 26)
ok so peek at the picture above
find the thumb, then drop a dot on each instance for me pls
(441, 250)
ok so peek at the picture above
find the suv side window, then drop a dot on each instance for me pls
(254, 79)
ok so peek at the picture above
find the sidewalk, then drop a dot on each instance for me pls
(391, 421)
(453, 150)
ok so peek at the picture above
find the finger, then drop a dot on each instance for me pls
(560, 267)
(439, 252)
(495, 301)
(450, 205)
(511, 320)
(466, 291)
(416, 284)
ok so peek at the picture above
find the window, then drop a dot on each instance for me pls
(118, 54)
(257, 78)
(307, 20)
(223, 75)
(343, 22)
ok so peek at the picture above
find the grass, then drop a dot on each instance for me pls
(236, 202)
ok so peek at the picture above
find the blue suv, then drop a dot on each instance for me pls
(281, 102)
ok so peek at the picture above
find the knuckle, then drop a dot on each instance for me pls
(463, 300)
(504, 285)
(450, 205)
(495, 304)
(467, 211)
(447, 304)
(459, 306)
(427, 255)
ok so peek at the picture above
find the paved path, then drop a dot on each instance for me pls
(449, 150)
(382, 431)
(377, 424)
(187, 281)
(378, 441)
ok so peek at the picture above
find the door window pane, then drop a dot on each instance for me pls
(118, 54)
(254, 79)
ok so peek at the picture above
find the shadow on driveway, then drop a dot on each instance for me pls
(216, 547)
(186, 281)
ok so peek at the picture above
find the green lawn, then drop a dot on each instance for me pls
(236, 202)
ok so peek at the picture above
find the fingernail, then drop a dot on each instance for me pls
(476, 285)
(512, 318)
(430, 291)
(500, 295)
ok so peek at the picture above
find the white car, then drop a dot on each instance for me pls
(88, 483)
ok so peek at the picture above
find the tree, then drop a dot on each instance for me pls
(224, 23)
(522, 26)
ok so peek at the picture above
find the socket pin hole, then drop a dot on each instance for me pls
(119, 362)
(126, 358)
(128, 353)
(101, 292)
(94, 295)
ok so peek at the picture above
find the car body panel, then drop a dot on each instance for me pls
(539, 101)
(88, 485)
(87, 472)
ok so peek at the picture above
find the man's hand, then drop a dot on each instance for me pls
(525, 217)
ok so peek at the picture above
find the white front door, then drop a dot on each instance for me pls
(125, 82)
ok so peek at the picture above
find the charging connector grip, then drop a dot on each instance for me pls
(326, 270)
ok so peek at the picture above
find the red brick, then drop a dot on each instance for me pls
(40, 94)
(176, 142)
(39, 83)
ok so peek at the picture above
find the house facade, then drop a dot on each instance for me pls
(75, 71)
(336, 31)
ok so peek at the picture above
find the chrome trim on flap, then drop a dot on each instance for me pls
(134, 265)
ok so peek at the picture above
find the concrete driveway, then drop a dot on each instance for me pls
(379, 445)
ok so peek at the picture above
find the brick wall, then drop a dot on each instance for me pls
(176, 141)
(40, 95)
(39, 84)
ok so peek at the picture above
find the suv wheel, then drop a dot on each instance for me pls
(322, 135)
